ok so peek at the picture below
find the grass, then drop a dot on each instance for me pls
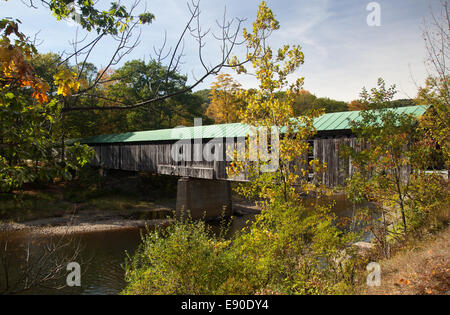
(31, 205)
(126, 194)
(421, 268)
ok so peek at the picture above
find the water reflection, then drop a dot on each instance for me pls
(101, 258)
(103, 253)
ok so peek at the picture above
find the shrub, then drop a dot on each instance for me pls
(287, 250)
(185, 258)
(428, 204)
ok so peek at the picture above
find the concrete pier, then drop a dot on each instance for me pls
(204, 198)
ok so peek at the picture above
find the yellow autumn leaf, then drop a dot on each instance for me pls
(66, 82)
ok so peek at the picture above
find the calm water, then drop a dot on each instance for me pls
(103, 254)
(101, 257)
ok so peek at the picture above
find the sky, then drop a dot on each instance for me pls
(343, 53)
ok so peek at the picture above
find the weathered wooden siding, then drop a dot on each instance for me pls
(157, 158)
(149, 158)
(329, 151)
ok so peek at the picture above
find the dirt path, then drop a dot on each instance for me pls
(424, 269)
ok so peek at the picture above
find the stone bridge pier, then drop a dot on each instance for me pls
(204, 198)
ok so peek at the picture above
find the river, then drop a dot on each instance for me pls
(103, 254)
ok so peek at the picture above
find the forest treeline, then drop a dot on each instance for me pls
(135, 81)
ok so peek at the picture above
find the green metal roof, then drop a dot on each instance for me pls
(341, 120)
(326, 122)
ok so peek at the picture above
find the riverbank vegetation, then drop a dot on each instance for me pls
(419, 268)
(120, 194)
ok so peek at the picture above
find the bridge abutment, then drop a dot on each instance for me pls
(204, 198)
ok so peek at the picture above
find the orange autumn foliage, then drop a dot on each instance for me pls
(15, 69)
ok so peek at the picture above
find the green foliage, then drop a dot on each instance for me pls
(34, 132)
(142, 81)
(204, 95)
(436, 122)
(389, 162)
(182, 259)
(288, 250)
(330, 105)
(267, 107)
(285, 251)
(428, 205)
(46, 66)
(132, 83)
(403, 102)
(112, 21)
(29, 150)
(305, 102)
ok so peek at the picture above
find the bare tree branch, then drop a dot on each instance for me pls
(43, 266)
(230, 31)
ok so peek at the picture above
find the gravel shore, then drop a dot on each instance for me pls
(96, 221)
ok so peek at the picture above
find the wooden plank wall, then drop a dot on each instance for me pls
(157, 158)
(328, 151)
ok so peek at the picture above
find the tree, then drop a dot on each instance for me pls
(355, 105)
(389, 159)
(402, 102)
(28, 118)
(204, 96)
(224, 106)
(436, 33)
(32, 128)
(138, 79)
(285, 243)
(330, 105)
(287, 250)
(91, 18)
(436, 122)
(358, 105)
(266, 109)
(303, 102)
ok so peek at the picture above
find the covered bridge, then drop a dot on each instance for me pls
(153, 151)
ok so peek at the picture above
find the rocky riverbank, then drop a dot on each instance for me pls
(95, 220)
